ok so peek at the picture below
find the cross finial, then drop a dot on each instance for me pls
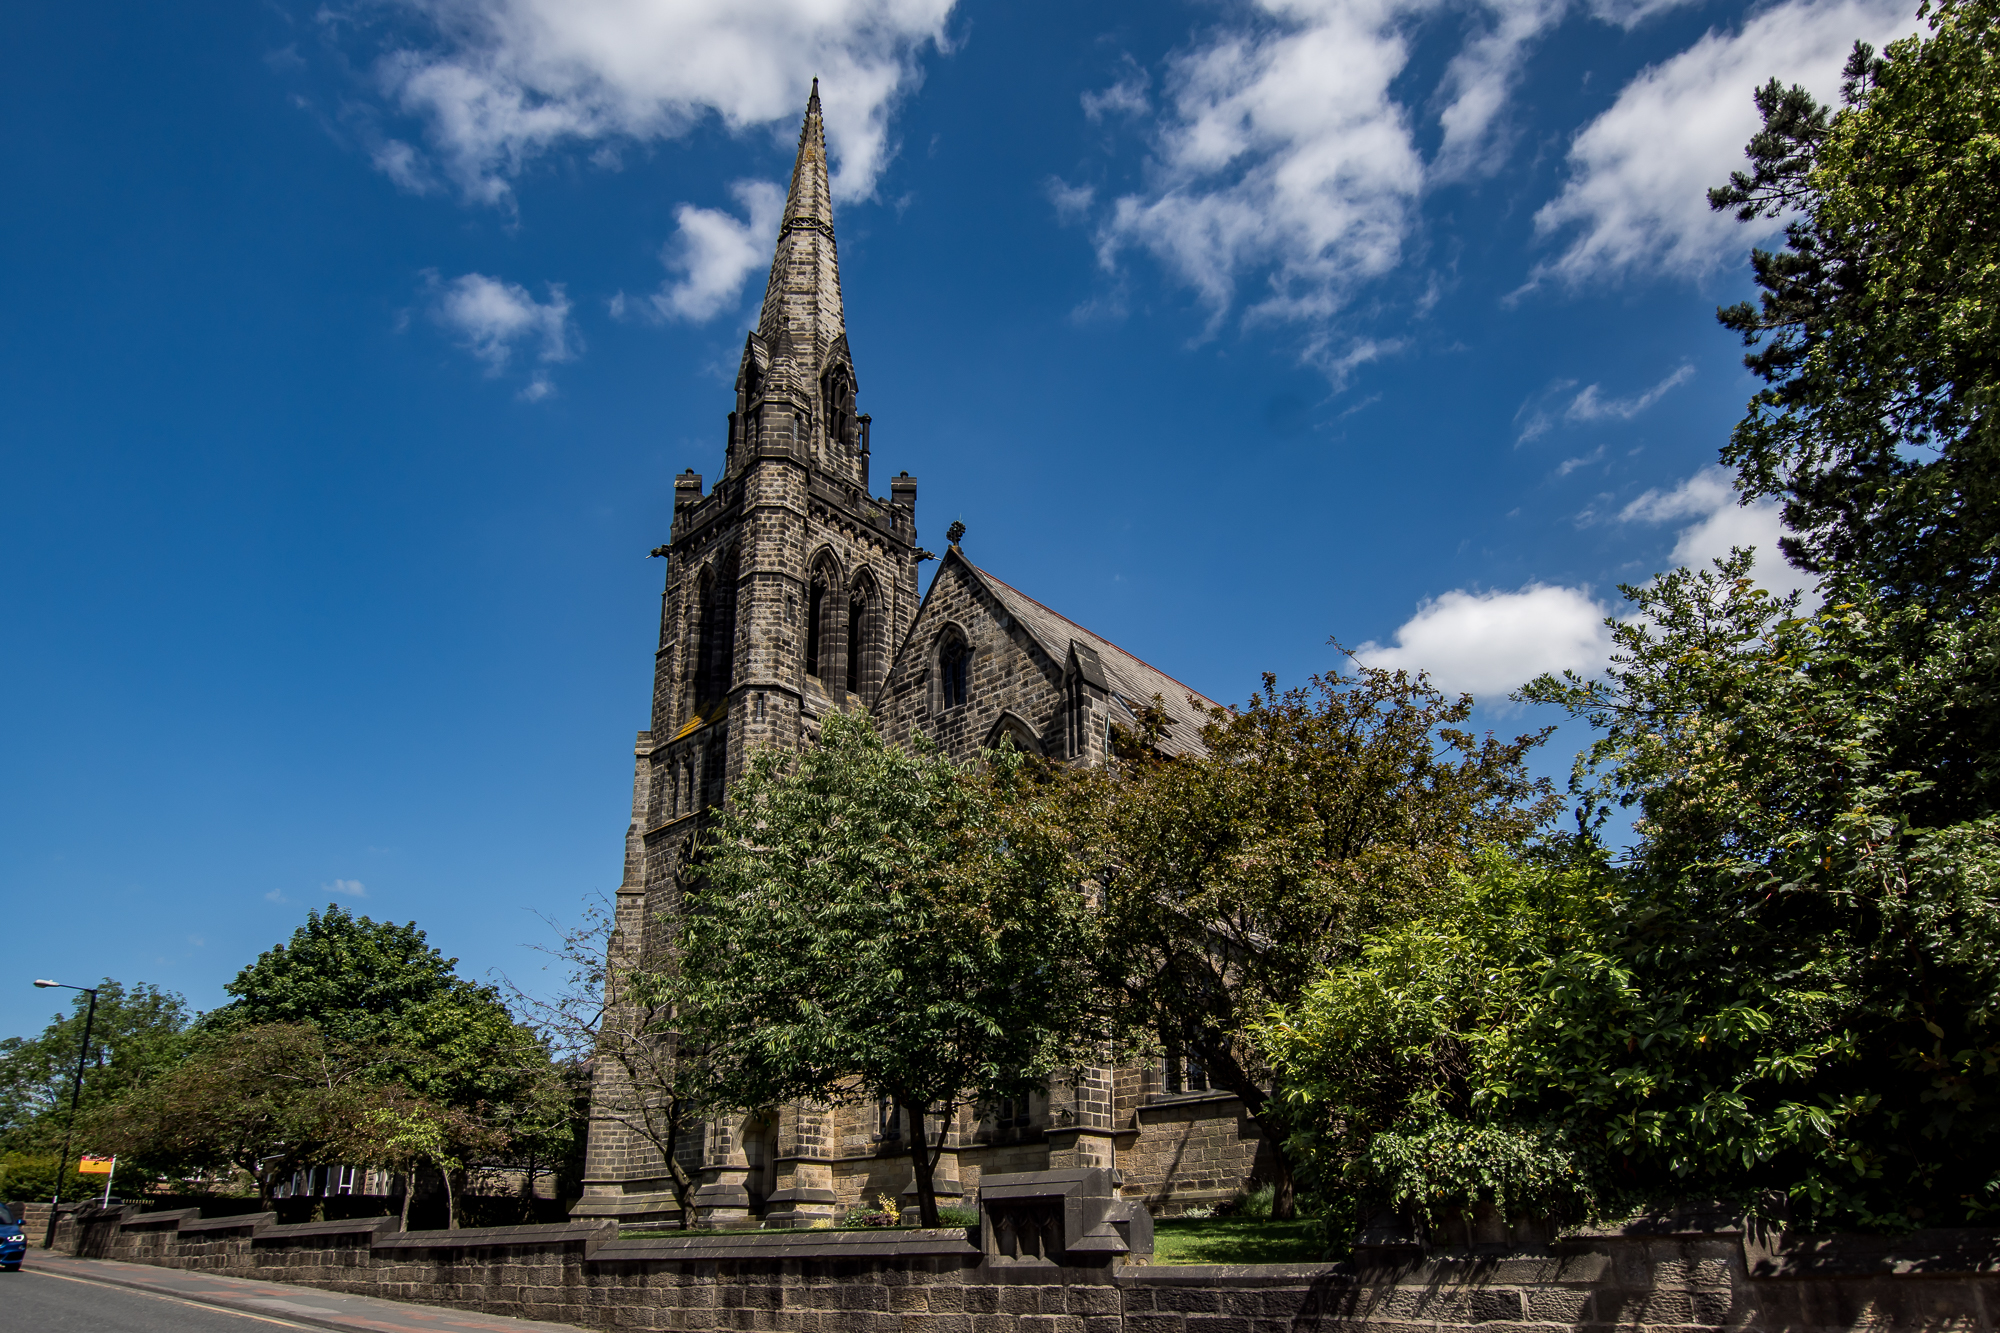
(955, 533)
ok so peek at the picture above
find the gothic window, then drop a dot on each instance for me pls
(715, 653)
(860, 630)
(815, 613)
(837, 395)
(888, 1123)
(1075, 707)
(954, 668)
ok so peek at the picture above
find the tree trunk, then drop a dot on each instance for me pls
(409, 1188)
(450, 1201)
(922, 1159)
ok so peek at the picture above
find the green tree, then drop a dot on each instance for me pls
(1880, 317)
(265, 1099)
(139, 1032)
(379, 987)
(861, 925)
(1560, 1036)
(1228, 882)
(1817, 839)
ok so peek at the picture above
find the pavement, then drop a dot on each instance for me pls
(54, 1293)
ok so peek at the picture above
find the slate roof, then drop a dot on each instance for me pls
(1133, 683)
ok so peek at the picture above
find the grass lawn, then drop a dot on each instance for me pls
(1227, 1240)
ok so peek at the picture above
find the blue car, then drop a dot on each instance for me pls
(13, 1242)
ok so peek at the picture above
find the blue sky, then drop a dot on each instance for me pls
(347, 353)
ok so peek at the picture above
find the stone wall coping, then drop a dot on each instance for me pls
(251, 1222)
(777, 1246)
(175, 1217)
(1953, 1252)
(1234, 1275)
(475, 1238)
(346, 1226)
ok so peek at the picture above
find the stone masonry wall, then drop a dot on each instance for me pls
(1656, 1275)
(1196, 1149)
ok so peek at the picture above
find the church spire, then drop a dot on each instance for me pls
(802, 299)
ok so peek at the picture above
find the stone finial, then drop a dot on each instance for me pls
(955, 533)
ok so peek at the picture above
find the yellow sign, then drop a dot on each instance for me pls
(96, 1166)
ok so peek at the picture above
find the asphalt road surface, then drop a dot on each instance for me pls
(39, 1302)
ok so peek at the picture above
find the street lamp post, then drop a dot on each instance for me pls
(75, 1094)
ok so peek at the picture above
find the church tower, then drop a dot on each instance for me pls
(788, 588)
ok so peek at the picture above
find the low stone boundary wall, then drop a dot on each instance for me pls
(1058, 1258)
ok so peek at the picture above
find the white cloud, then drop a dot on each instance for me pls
(347, 888)
(1538, 414)
(1490, 644)
(1285, 160)
(1127, 97)
(1283, 151)
(1480, 80)
(493, 317)
(1569, 465)
(276, 896)
(1639, 173)
(498, 82)
(1720, 525)
(713, 252)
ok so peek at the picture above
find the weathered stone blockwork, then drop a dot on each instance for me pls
(1647, 1278)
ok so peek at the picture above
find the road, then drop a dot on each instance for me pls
(55, 1293)
(53, 1304)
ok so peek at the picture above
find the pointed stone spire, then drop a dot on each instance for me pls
(802, 304)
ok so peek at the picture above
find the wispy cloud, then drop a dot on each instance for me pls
(1590, 404)
(1636, 198)
(493, 319)
(1285, 171)
(1569, 465)
(346, 888)
(1720, 524)
(494, 84)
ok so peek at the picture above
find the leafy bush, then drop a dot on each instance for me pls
(30, 1178)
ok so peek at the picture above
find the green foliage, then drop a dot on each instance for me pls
(377, 987)
(1227, 882)
(1816, 873)
(28, 1177)
(265, 1099)
(868, 922)
(138, 1032)
(1878, 318)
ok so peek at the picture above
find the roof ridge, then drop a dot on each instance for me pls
(983, 573)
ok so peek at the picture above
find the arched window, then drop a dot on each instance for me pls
(824, 604)
(715, 652)
(815, 613)
(857, 614)
(837, 398)
(860, 631)
(1073, 687)
(954, 669)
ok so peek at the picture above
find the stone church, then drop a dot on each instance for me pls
(791, 590)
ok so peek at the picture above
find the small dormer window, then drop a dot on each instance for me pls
(954, 669)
